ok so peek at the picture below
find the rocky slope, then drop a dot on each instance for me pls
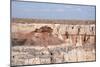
(46, 43)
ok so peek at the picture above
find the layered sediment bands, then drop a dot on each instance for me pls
(46, 43)
(60, 32)
(24, 55)
(57, 28)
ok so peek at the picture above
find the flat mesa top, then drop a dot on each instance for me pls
(48, 21)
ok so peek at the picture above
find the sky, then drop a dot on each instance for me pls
(52, 11)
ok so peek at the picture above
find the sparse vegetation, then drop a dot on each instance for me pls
(70, 22)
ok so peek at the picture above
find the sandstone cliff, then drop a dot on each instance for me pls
(46, 43)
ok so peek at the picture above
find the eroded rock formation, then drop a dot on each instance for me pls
(41, 43)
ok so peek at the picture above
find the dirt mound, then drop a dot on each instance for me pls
(43, 37)
(43, 41)
(39, 37)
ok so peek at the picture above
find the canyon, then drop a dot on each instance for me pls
(52, 41)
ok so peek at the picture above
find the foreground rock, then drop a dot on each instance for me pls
(25, 55)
